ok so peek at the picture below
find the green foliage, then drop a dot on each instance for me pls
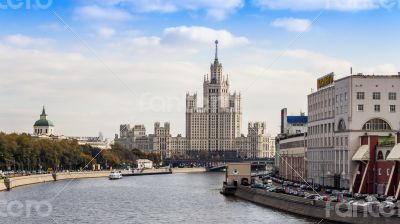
(24, 152)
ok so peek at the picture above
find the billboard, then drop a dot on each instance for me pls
(325, 80)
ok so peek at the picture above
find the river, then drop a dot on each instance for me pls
(175, 198)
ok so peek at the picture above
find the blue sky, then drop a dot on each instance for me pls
(132, 61)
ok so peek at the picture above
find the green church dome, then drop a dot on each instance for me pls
(42, 123)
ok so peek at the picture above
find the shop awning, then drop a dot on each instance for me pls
(362, 153)
(394, 153)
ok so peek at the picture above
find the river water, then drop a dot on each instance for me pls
(175, 198)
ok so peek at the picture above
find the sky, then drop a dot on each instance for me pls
(96, 64)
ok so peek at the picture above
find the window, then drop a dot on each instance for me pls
(360, 107)
(392, 108)
(360, 95)
(387, 154)
(377, 108)
(392, 96)
(342, 125)
(380, 155)
(376, 125)
(376, 95)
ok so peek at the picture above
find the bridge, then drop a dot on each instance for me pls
(220, 164)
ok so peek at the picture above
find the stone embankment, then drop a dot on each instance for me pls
(314, 209)
(13, 182)
(189, 170)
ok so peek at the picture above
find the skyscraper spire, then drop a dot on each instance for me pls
(216, 50)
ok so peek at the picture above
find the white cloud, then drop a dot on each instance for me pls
(215, 9)
(146, 41)
(53, 27)
(340, 5)
(102, 13)
(20, 40)
(320, 63)
(106, 32)
(292, 24)
(199, 34)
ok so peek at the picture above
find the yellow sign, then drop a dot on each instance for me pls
(325, 80)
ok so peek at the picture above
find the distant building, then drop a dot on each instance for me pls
(292, 147)
(43, 126)
(291, 125)
(95, 142)
(212, 131)
(144, 164)
(134, 138)
(257, 144)
(214, 127)
(292, 162)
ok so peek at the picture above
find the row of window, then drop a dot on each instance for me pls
(376, 96)
(377, 108)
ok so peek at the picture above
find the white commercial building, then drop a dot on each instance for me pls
(341, 111)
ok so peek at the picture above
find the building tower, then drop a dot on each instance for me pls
(43, 127)
(214, 127)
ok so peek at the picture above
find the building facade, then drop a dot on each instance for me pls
(134, 138)
(257, 144)
(214, 126)
(292, 147)
(43, 126)
(213, 130)
(340, 112)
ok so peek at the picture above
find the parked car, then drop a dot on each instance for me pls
(381, 198)
(272, 189)
(314, 197)
(328, 191)
(347, 193)
(359, 196)
(391, 198)
(279, 190)
(371, 198)
(258, 185)
(333, 199)
(301, 193)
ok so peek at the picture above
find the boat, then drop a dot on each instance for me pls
(115, 175)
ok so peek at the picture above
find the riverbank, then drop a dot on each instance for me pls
(43, 178)
(314, 209)
(189, 170)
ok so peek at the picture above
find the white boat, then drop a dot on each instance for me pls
(115, 175)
